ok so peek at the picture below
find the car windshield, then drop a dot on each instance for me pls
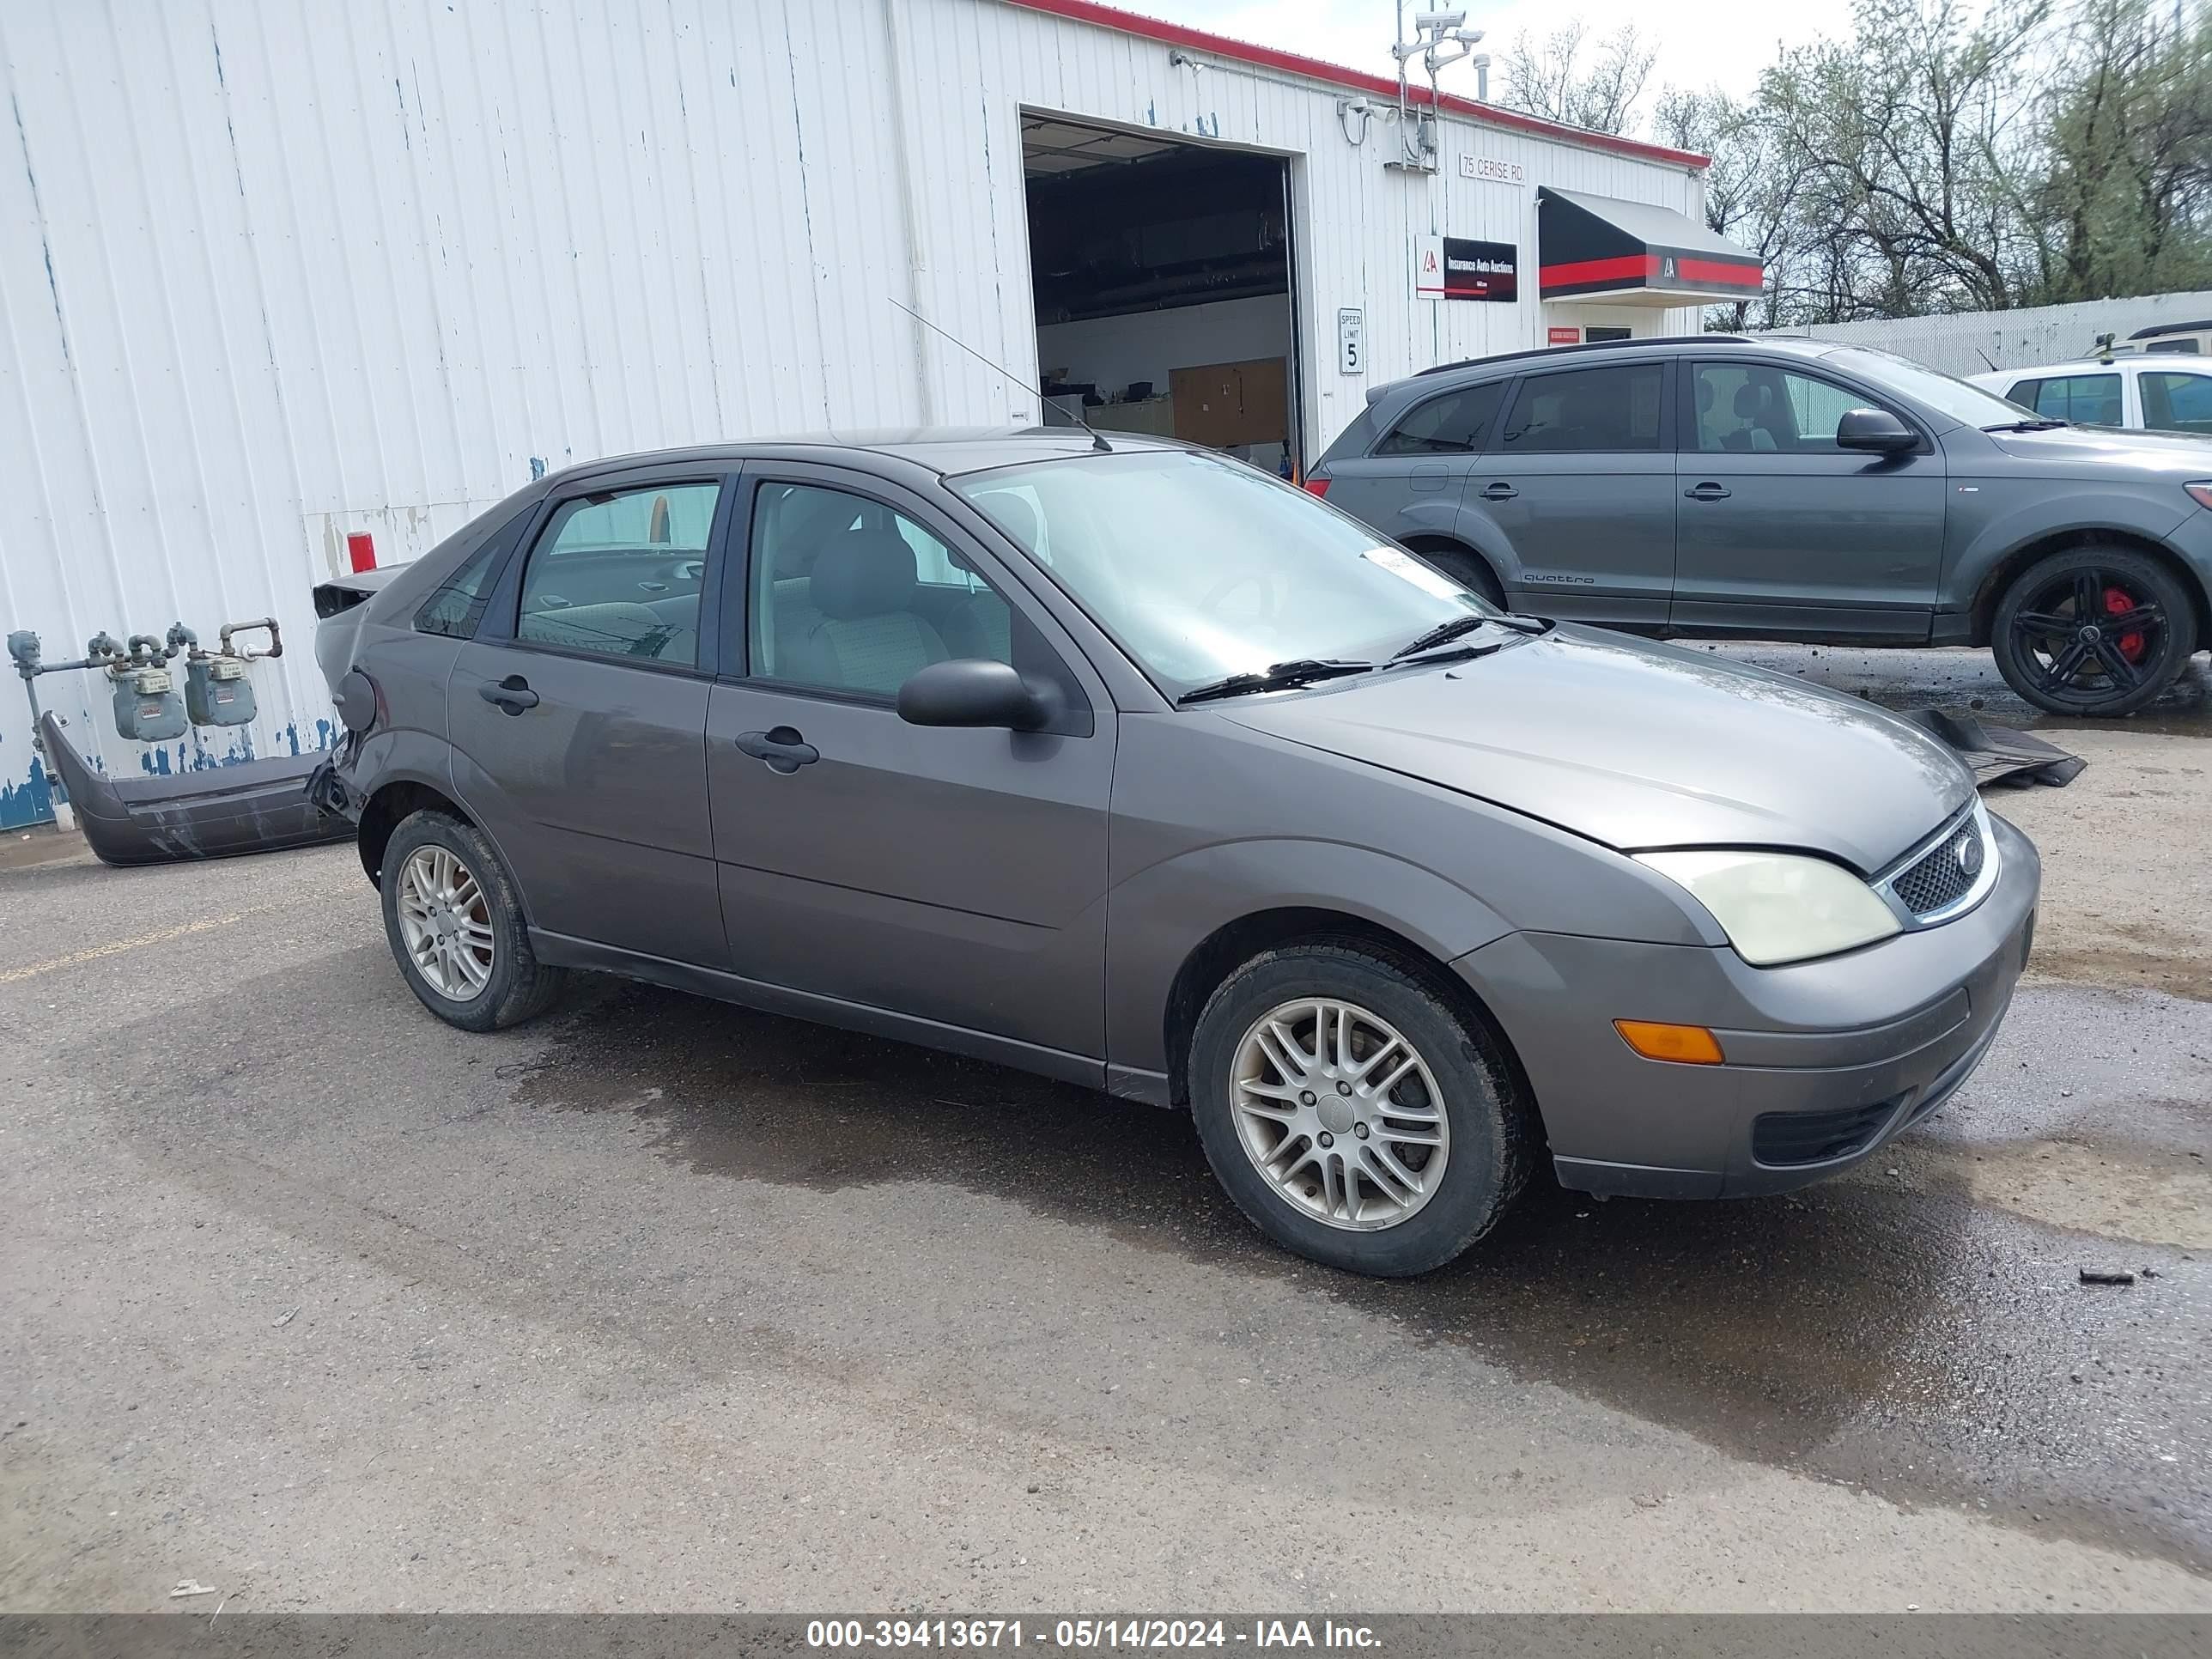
(1968, 404)
(1203, 567)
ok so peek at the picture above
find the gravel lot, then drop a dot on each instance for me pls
(661, 1305)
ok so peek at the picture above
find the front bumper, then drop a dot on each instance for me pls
(1825, 1060)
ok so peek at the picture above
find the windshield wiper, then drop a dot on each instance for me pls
(1444, 632)
(2024, 426)
(1279, 677)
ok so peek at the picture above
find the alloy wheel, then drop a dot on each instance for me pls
(1340, 1113)
(445, 923)
(2086, 634)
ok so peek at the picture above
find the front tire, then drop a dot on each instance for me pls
(1353, 1115)
(2097, 630)
(456, 927)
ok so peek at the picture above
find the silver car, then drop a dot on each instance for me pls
(1133, 767)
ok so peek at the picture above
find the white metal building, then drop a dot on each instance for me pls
(1974, 341)
(279, 278)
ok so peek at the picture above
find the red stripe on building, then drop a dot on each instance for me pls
(1313, 69)
(1621, 268)
(1644, 268)
(1726, 273)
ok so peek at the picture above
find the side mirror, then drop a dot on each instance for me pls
(970, 691)
(1876, 430)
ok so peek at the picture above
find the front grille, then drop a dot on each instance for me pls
(1781, 1137)
(1944, 874)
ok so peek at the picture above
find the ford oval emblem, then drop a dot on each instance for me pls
(1969, 851)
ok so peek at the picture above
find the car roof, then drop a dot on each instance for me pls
(2133, 362)
(1795, 345)
(945, 451)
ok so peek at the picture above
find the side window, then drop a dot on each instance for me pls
(2088, 399)
(2023, 393)
(2177, 403)
(1587, 411)
(1753, 409)
(618, 574)
(850, 595)
(1457, 423)
(455, 609)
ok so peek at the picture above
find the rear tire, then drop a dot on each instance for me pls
(1467, 569)
(1358, 1171)
(2097, 629)
(456, 926)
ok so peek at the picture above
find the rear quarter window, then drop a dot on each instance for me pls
(458, 604)
(1454, 424)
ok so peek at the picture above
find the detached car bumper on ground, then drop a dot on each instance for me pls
(1134, 767)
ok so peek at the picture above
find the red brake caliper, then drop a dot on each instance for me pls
(2117, 603)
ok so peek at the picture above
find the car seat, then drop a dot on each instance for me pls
(1753, 407)
(869, 637)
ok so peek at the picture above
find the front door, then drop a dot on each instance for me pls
(1581, 486)
(954, 876)
(1778, 532)
(578, 716)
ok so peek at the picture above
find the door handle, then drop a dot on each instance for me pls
(1706, 492)
(780, 746)
(1499, 492)
(513, 693)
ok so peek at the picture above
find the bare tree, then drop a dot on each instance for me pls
(1754, 188)
(1565, 76)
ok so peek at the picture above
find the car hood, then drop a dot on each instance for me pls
(1640, 746)
(2093, 451)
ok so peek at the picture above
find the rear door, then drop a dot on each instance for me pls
(955, 876)
(578, 716)
(1781, 533)
(1412, 482)
(1580, 485)
(2176, 399)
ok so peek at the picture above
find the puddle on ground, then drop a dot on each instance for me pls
(1870, 1330)
(2141, 1194)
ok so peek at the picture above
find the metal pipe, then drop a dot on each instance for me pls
(275, 638)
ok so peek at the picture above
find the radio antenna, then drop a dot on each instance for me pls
(1097, 442)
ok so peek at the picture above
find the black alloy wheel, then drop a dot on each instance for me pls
(2095, 630)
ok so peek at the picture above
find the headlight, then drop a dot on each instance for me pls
(1779, 907)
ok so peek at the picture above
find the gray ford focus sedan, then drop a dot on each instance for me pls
(1134, 767)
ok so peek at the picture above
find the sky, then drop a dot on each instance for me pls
(1706, 44)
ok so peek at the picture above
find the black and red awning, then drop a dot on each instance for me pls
(1594, 247)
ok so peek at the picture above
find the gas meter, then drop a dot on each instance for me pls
(147, 706)
(217, 691)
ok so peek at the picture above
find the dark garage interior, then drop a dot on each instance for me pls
(1163, 285)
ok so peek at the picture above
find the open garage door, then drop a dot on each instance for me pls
(1163, 282)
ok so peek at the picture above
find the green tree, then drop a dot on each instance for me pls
(1916, 139)
(2120, 204)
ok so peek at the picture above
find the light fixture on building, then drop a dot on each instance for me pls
(1440, 39)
